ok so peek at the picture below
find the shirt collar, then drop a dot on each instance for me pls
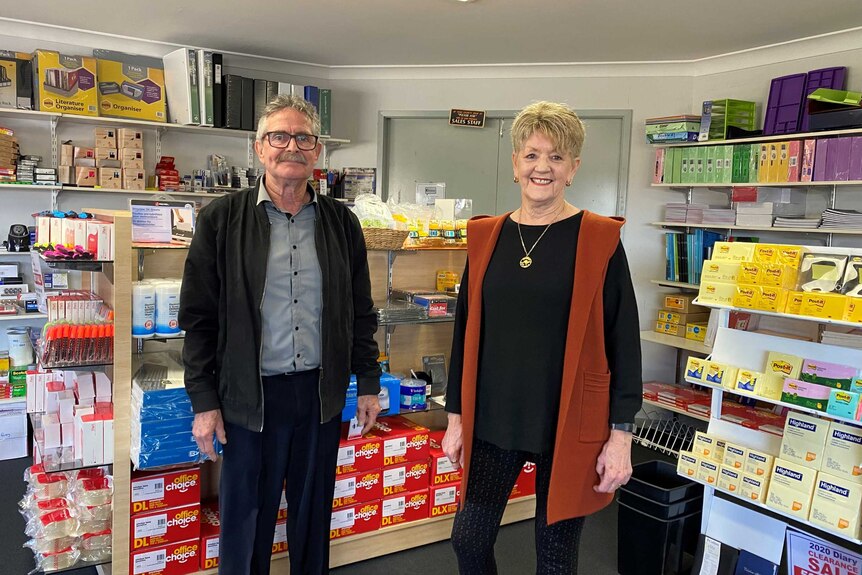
(263, 195)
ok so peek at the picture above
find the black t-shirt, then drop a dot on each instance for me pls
(522, 346)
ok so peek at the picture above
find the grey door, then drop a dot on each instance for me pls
(420, 147)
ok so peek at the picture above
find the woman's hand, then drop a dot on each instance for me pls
(453, 445)
(614, 465)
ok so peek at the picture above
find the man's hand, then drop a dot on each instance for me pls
(205, 424)
(367, 408)
(614, 465)
(453, 444)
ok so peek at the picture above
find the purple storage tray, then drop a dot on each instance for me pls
(823, 78)
(786, 95)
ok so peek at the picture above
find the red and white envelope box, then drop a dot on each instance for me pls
(210, 529)
(361, 454)
(357, 488)
(403, 440)
(404, 508)
(356, 519)
(443, 471)
(179, 558)
(152, 491)
(445, 499)
(406, 477)
(526, 482)
(166, 526)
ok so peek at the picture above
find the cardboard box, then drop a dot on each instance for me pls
(131, 158)
(405, 508)
(65, 84)
(130, 138)
(688, 464)
(356, 488)
(842, 456)
(406, 477)
(134, 180)
(279, 538)
(836, 504)
(181, 558)
(164, 526)
(791, 488)
(66, 175)
(110, 178)
(445, 499)
(696, 331)
(360, 454)
(683, 304)
(131, 86)
(729, 479)
(105, 137)
(403, 440)
(671, 316)
(733, 251)
(443, 471)
(720, 271)
(718, 293)
(754, 487)
(164, 490)
(804, 439)
(210, 529)
(360, 518)
(86, 177)
(670, 329)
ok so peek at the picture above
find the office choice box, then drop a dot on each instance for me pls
(688, 464)
(156, 528)
(210, 529)
(445, 499)
(405, 508)
(671, 316)
(403, 440)
(683, 304)
(842, 455)
(734, 456)
(163, 490)
(107, 157)
(356, 488)
(729, 479)
(64, 84)
(718, 293)
(753, 487)
(361, 454)
(406, 477)
(757, 463)
(180, 558)
(836, 504)
(720, 271)
(791, 488)
(131, 86)
(356, 519)
(525, 484)
(804, 439)
(279, 538)
(443, 471)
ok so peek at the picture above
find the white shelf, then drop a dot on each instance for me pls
(726, 186)
(144, 192)
(839, 231)
(22, 317)
(680, 285)
(8, 254)
(784, 315)
(675, 409)
(675, 341)
(13, 400)
(40, 187)
(754, 139)
(778, 512)
(28, 114)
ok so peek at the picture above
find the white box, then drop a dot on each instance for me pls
(835, 505)
(804, 439)
(108, 441)
(85, 388)
(91, 437)
(52, 431)
(842, 456)
(43, 229)
(753, 487)
(56, 236)
(67, 409)
(32, 389)
(791, 487)
(100, 239)
(103, 384)
(67, 434)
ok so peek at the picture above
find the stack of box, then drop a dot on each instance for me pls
(8, 155)
(680, 317)
(115, 161)
(445, 494)
(167, 176)
(672, 129)
(771, 203)
(165, 526)
(29, 171)
(389, 397)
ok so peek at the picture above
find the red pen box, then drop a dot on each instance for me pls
(166, 526)
(356, 519)
(179, 558)
(357, 488)
(153, 491)
(406, 477)
(403, 440)
(405, 508)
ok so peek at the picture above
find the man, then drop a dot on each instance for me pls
(276, 304)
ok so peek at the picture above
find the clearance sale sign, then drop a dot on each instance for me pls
(811, 556)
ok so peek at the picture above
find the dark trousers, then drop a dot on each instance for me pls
(293, 447)
(493, 472)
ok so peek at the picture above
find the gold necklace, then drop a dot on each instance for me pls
(527, 261)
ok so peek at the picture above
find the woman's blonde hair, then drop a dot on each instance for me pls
(556, 121)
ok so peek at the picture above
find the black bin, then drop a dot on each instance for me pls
(659, 521)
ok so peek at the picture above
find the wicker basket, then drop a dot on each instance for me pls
(384, 238)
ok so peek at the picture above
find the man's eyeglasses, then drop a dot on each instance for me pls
(281, 140)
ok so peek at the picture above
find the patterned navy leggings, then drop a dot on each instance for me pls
(493, 472)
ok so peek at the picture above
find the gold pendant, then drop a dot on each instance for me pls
(526, 262)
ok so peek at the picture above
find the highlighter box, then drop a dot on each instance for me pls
(670, 329)
(793, 304)
(707, 471)
(356, 488)
(749, 273)
(791, 487)
(757, 463)
(734, 456)
(65, 84)
(748, 381)
(671, 316)
(836, 505)
(719, 271)
(771, 299)
(720, 374)
(746, 296)
(804, 394)
(733, 251)
(828, 374)
(131, 86)
(706, 446)
(842, 455)
(843, 404)
(718, 293)
(696, 331)
(753, 487)
(804, 439)
(688, 464)
(695, 368)
(729, 479)
(683, 304)
(823, 305)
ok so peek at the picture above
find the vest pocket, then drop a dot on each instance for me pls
(595, 407)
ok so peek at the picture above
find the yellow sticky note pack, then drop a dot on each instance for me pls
(719, 271)
(746, 296)
(771, 299)
(823, 305)
(718, 293)
(720, 374)
(748, 381)
(765, 253)
(688, 464)
(777, 275)
(793, 303)
(790, 255)
(729, 479)
(733, 251)
(694, 368)
(749, 273)
(853, 310)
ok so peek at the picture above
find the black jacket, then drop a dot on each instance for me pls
(220, 303)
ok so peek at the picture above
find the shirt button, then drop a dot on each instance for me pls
(299, 355)
(294, 247)
(295, 273)
(296, 301)
(296, 328)
(292, 221)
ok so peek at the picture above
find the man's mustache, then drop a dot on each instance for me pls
(292, 157)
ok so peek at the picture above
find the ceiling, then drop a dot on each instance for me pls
(448, 32)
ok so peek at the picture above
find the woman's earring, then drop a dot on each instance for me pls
(515, 179)
(568, 182)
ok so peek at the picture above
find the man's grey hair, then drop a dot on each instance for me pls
(288, 102)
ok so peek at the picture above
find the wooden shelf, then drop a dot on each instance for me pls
(784, 315)
(753, 139)
(680, 285)
(840, 231)
(152, 246)
(675, 341)
(726, 186)
(675, 410)
(777, 512)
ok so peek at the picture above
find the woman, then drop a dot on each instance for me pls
(545, 363)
